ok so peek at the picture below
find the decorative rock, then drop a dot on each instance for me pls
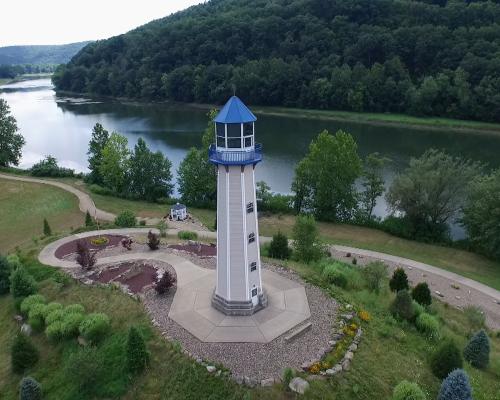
(353, 347)
(249, 382)
(298, 385)
(438, 293)
(26, 329)
(457, 297)
(349, 355)
(199, 361)
(346, 365)
(18, 318)
(218, 373)
(305, 366)
(82, 341)
(267, 382)
(332, 343)
(211, 368)
(239, 380)
(347, 317)
(334, 370)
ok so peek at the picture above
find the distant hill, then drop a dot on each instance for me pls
(432, 57)
(51, 54)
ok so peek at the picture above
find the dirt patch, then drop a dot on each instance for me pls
(200, 250)
(69, 248)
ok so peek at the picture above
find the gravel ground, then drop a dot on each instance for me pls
(459, 298)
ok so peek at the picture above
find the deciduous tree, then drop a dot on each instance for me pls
(11, 142)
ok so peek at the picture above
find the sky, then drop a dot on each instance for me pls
(31, 22)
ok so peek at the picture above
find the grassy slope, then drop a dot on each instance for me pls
(25, 205)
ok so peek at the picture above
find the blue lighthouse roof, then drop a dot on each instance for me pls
(235, 112)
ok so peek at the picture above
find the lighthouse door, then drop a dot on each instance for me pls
(255, 298)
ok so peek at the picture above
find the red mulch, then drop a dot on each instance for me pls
(70, 247)
(201, 250)
(146, 276)
(109, 274)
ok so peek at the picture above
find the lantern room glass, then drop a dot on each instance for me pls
(235, 136)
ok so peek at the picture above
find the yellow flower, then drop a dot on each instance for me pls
(364, 316)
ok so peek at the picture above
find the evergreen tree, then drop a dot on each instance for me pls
(11, 143)
(46, 228)
(5, 271)
(22, 284)
(456, 386)
(445, 359)
(422, 294)
(477, 351)
(137, 353)
(89, 222)
(23, 354)
(402, 306)
(100, 137)
(306, 244)
(278, 248)
(399, 280)
(29, 389)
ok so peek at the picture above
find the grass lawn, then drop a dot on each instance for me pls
(461, 262)
(23, 206)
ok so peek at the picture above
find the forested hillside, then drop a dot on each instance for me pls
(39, 55)
(418, 57)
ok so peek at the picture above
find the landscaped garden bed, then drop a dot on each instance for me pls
(98, 242)
(198, 249)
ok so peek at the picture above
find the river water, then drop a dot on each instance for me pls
(61, 126)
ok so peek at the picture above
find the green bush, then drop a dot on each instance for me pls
(331, 274)
(53, 306)
(89, 222)
(374, 274)
(53, 316)
(306, 243)
(36, 316)
(428, 325)
(14, 261)
(5, 271)
(54, 331)
(288, 375)
(422, 294)
(75, 309)
(187, 235)
(278, 248)
(399, 280)
(456, 386)
(445, 359)
(46, 228)
(475, 316)
(126, 219)
(71, 324)
(402, 306)
(137, 353)
(29, 389)
(331, 270)
(22, 284)
(104, 191)
(24, 354)
(418, 308)
(84, 367)
(94, 327)
(408, 391)
(29, 302)
(477, 351)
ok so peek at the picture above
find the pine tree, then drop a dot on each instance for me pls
(23, 354)
(456, 386)
(278, 248)
(29, 389)
(88, 219)
(137, 353)
(46, 228)
(422, 294)
(402, 306)
(22, 284)
(399, 280)
(5, 269)
(445, 359)
(477, 351)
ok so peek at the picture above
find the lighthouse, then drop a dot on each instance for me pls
(235, 154)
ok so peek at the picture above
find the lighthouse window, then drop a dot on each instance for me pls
(251, 238)
(234, 143)
(221, 141)
(234, 130)
(248, 141)
(247, 129)
(253, 266)
(254, 292)
(250, 208)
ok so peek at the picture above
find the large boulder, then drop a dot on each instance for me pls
(298, 385)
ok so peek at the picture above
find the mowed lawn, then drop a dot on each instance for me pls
(23, 206)
(461, 262)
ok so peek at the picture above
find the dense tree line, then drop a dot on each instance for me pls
(39, 54)
(11, 71)
(420, 57)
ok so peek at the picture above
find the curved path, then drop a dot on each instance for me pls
(476, 293)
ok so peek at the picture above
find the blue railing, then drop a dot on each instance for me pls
(235, 157)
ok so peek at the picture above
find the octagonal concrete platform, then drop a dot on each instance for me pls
(192, 309)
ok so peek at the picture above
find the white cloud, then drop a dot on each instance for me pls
(66, 21)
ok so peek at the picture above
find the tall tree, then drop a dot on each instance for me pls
(11, 142)
(149, 175)
(100, 137)
(324, 179)
(115, 162)
(373, 183)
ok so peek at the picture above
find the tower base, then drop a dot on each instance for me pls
(238, 308)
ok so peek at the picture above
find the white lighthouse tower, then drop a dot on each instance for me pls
(238, 288)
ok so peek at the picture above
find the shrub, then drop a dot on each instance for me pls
(137, 353)
(29, 302)
(36, 316)
(94, 327)
(456, 386)
(402, 307)
(84, 367)
(278, 248)
(445, 359)
(428, 325)
(187, 235)
(477, 351)
(127, 243)
(306, 244)
(29, 389)
(54, 331)
(422, 294)
(288, 375)
(142, 222)
(354, 261)
(22, 284)
(49, 167)
(85, 257)
(331, 269)
(153, 241)
(126, 219)
(46, 228)
(475, 316)
(374, 274)
(162, 227)
(53, 316)
(5, 270)
(23, 354)
(399, 280)
(408, 391)
(14, 261)
(75, 309)
(165, 283)
(332, 275)
(51, 307)
(89, 222)
(418, 308)
(71, 324)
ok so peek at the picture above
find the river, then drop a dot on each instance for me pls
(61, 126)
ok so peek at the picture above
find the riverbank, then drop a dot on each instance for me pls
(25, 77)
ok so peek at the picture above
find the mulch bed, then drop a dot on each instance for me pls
(201, 250)
(136, 276)
(69, 248)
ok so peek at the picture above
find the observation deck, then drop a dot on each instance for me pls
(235, 157)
